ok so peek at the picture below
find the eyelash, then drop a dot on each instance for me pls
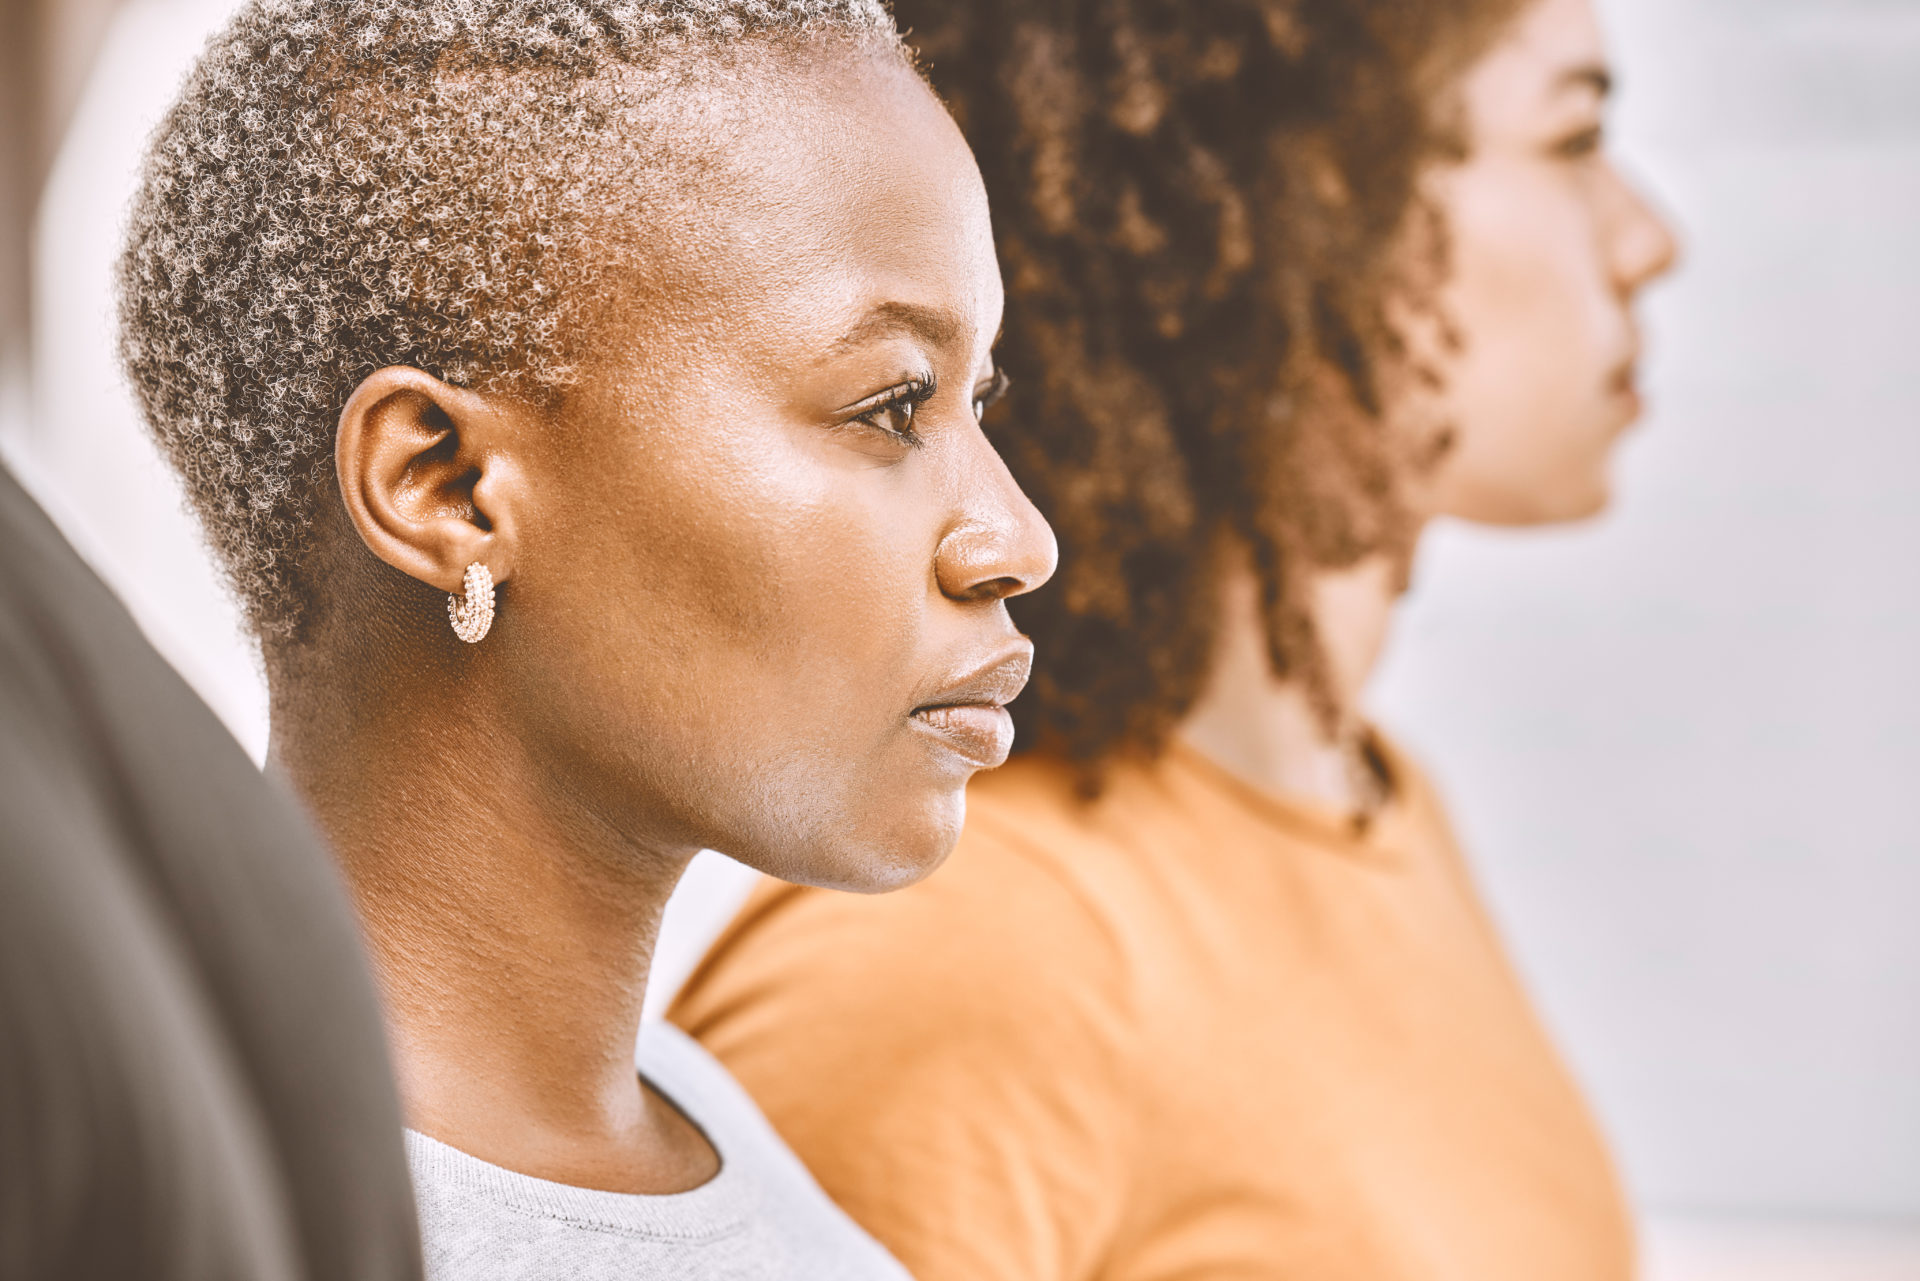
(905, 400)
(995, 389)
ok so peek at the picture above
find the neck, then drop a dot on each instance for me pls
(1264, 727)
(511, 931)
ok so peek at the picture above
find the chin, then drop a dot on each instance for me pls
(1594, 507)
(1584, 501)
(1565, 509)
(1560, 501)
(880, 854)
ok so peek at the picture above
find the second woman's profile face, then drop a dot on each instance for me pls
(1549, 246)
(757, 603)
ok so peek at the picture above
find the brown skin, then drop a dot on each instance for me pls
(1549, 248)
(738, 610)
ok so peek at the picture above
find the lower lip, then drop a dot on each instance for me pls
(1627, 389)
(981, 735)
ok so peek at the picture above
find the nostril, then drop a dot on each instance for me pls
(997, 588)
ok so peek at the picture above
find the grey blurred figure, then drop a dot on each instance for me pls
(193, 1076)
(194, 1080)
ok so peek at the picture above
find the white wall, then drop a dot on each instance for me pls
(1679, 741)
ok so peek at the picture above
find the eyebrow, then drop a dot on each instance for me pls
(1592, 76)
(934, 325)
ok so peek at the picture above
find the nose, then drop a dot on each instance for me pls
(1001, 545)
(1644, 244)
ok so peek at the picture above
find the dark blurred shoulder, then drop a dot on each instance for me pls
(194, 1081)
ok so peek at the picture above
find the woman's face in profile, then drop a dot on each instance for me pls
(1549, 246)
(757, 595)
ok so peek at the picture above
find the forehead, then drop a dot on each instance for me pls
(816, 189)
(1554, 49)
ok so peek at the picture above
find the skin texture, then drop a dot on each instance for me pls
(1549, 248)
(737, 608)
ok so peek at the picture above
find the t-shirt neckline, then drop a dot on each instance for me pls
(1373, 841)
(715, 1208)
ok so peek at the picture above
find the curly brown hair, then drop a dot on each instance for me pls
(1203, 209)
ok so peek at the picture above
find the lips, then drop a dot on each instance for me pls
(969, 714)
(981, 734)
(1624, 387)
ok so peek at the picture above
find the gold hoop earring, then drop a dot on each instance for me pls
(472, 616)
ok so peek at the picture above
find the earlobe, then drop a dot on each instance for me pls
(425, 478)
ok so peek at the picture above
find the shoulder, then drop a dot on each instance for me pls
(163, 908)
(1419, 814)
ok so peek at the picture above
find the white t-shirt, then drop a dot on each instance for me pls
(761, 1218)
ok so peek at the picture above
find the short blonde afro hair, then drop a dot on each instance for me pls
(349, 184)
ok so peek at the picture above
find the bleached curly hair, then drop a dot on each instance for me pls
(350, 184)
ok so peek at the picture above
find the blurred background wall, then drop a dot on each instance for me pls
(1680, 741)
(74, 432)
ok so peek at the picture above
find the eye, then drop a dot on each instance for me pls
(989, 395)
(1581, 144)
(893, 410)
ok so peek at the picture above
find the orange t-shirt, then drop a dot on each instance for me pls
(1189, 1031)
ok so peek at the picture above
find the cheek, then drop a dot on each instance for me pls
(754, 575)
(738, 629)
(1527, 394)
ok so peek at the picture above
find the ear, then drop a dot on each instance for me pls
(428, 476)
